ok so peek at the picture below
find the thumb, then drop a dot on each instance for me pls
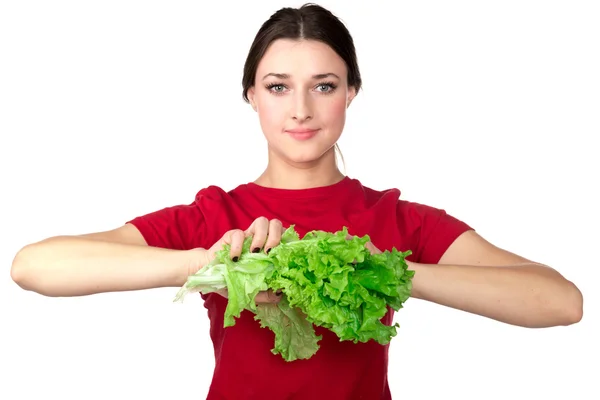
(268, 296)
(371, 247)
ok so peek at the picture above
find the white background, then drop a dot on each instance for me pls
(113, 109)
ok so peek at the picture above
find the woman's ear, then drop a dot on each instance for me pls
(351, 96)
(251, 98)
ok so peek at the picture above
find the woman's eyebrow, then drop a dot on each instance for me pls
(287, 76)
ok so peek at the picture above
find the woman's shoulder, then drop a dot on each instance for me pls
(392, 196)
(179, 225)
(395, 196)
(427, 228)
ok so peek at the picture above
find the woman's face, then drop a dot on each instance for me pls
(301, 95)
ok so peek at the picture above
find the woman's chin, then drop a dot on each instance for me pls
(307, 156)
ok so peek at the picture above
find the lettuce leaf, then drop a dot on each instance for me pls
(242, 279)
(295, 336)
(327, 279)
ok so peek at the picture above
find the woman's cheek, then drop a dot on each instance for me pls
(336, 114)
(270, 112)
(272, 118)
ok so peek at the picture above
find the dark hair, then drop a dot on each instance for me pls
(311, 22)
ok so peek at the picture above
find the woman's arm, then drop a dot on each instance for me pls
(117, 260)
(121, 260)
(475, 276)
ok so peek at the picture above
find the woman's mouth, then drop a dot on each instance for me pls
(302, 133)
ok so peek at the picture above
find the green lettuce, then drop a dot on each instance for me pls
(327, 279)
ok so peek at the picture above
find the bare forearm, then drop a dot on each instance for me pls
(75, 266)
(530, 296)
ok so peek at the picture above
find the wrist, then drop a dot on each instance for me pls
(194, 260)
(184, 263)
(418, 269)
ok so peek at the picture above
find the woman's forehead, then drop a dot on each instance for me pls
(300, 59)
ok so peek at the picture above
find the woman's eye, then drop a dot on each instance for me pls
(325, 88)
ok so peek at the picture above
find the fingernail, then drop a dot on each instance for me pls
(235, 259)
(279, 292)
(268, 251)
(256, 249)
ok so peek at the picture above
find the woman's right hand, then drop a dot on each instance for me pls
(265, 235)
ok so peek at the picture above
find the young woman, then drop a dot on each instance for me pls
(300, 77)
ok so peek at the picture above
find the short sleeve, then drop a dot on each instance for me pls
(177, 227)
(433, 232)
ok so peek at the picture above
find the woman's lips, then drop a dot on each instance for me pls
(302, 133)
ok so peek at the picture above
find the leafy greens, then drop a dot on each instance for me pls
(328, 279)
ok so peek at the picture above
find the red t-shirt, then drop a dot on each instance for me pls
(245, 368)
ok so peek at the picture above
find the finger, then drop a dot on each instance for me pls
(235, 238)
(349, 237)
(268, 297)
(275, 232)
(259, 231)
(222, 292)
(371, 247)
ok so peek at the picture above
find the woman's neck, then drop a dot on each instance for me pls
(282, 174)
